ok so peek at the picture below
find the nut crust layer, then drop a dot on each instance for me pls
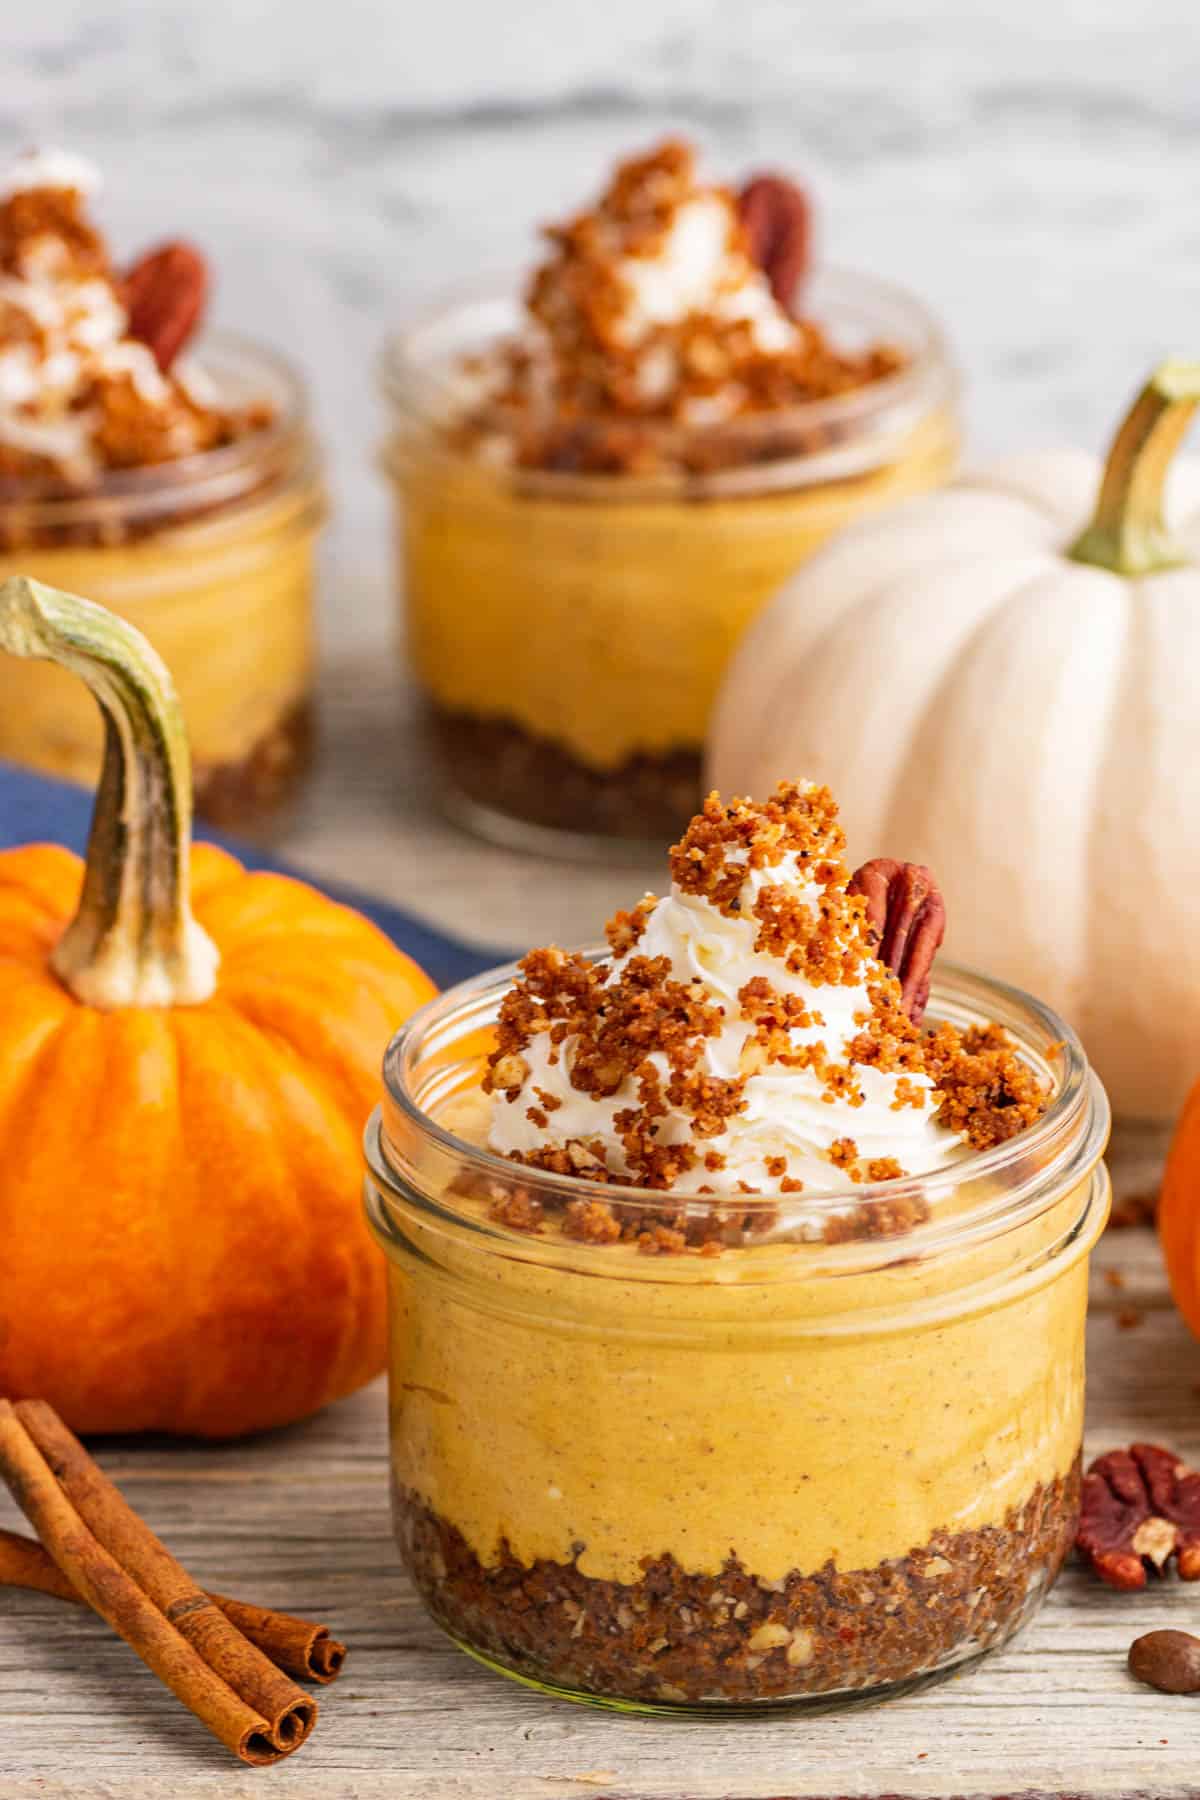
(688, 1639)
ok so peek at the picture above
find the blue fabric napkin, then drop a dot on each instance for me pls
(34, 808)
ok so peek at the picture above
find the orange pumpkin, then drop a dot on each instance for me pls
(187, 1059)
(1179, 1211)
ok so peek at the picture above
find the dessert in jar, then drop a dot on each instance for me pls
(177, 484)
(599, 487)
(737, 1301)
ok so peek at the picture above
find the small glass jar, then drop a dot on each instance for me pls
(568, 632)
(835, 1460)
(211, 556)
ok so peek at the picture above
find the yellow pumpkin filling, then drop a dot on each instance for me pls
(228, 604)
(547, 1409)
(606, 626)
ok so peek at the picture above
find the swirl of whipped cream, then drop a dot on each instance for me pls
(700, 267)
(788, 1112)
(55, 169)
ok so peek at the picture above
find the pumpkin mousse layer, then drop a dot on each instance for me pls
(613, 488)
(740, 1412)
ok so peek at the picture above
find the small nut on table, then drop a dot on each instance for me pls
(1167, 1660)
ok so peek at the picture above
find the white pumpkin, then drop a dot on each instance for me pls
(990, 692)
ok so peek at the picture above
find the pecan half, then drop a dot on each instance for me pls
(908, 922)
(777, 219)
(165, 293)
(1139, 1507)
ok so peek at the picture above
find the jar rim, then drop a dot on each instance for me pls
(859, 430)
(200, 481)
(1063, 1144)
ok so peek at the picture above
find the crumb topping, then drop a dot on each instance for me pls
(79, 394)
(631, 1027)
(649, 312)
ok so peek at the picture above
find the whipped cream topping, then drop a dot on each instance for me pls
(49, 169)
(698, 270)
(699, 265)
(77, 392)
(743, 1037)
(660, 263)
(787, 1114)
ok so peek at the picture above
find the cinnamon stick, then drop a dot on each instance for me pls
(23, 1563)
(298, 1646)
(144, 1594)
(105, 1511)
(304, 1649)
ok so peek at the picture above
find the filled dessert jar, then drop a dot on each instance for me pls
(177, 484)
(599, 485)
(737, 1308)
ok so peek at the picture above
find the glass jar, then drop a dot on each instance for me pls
(568, 632)
(211, 557)
(835, 1460)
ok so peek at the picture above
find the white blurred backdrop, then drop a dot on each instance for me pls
(1032, 168)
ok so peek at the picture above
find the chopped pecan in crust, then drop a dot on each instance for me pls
(776, 216)
(681, 1636)
(165, 293)
(908, 922)
(1140, 1506)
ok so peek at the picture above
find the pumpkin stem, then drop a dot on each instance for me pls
(1128, 534)
(133, 941)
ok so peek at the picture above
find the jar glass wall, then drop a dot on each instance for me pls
(212, 558)
(828, 1451)
(568, 632)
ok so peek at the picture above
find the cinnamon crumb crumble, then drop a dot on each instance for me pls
(518, 1209)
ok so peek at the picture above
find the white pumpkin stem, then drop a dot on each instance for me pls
(133, 940)
(1128, 533)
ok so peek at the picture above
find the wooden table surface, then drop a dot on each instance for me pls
(299, 1519)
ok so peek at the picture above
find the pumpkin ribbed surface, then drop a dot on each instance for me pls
(1023, 723)
(179, 1186)
(1179, 1212)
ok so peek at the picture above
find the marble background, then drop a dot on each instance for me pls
(1033, 169)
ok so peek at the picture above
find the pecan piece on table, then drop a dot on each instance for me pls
(1139, 1507)
(1130, 1210)
(777, 219)
(908, 922)
(165, 294)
